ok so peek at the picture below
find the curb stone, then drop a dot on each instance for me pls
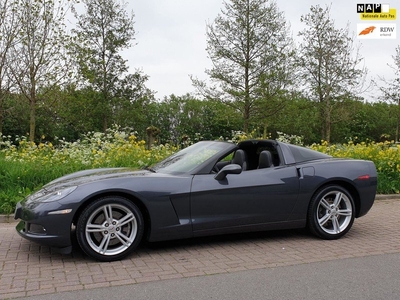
(387, 197)
(10, 218)
(7, 218)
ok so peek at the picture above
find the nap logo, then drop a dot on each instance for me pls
(376, 11)
(373, 8)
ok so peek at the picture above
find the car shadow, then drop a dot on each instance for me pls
(199, 243)
(226, 239)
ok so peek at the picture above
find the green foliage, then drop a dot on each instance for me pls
(299, 117)
(26, 166)
(391, 90)
(182, 118)
(330, 70)
(103, 31)
(385, 155)
(38, 59)
(251, 53)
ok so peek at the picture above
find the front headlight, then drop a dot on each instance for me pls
(50, 195)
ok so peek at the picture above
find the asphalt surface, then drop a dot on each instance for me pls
(365, 264)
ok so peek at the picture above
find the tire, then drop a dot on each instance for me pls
(331, 212)
(110, 228)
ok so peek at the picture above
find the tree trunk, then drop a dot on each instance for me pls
(1, 112)
(328, 122)
(32, 108)
(398, 121)
(265, 131)
(246, 117)
(105, 123)
(32, 120)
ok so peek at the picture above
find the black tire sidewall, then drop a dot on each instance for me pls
(312, 220)
(84, 216)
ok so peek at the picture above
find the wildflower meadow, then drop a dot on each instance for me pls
(26, 166)
(385, 155)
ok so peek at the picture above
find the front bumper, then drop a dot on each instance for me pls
(39, 226)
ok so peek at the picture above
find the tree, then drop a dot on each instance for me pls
(298, 117)
(250, 50)
(39, 59)
(391, 88)
(8, 35)
(330, 64)
(102, 32)
(187, 119)
(133, 98)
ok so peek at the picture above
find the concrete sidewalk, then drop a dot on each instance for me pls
(28, 269)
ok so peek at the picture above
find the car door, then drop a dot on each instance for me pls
(252, 197)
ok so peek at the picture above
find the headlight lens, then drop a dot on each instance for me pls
(50, 195)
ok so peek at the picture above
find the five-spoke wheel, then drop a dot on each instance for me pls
(110, 228)
(331, 212)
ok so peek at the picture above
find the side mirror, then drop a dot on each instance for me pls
(229, 169)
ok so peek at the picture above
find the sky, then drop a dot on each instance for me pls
(170, 40)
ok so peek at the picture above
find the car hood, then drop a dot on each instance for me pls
(86, 176)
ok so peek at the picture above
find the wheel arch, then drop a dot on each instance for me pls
(125, 194)
(346, 185)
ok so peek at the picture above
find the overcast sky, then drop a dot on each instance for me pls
(171, 38)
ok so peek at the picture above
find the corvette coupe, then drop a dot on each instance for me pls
(209, 188)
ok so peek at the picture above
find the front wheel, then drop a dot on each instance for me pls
(110, 228)
(331, 212)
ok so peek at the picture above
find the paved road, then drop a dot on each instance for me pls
(366, 278)
(262, 262)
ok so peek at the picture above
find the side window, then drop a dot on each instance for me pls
(223, 162)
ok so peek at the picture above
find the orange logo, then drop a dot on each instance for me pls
(367, 30)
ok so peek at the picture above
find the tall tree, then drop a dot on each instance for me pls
(391, 88)
(248, 44)
(8, 36)
(130, 105)
(103, 31)
(39, 59)
(330, 64)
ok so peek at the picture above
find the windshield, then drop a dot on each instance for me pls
(189, 158)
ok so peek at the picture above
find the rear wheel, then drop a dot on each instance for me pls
(110, 228)
(331, 212)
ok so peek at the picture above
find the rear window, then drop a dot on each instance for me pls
(301, 154)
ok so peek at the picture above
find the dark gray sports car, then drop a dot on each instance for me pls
(208, 188)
